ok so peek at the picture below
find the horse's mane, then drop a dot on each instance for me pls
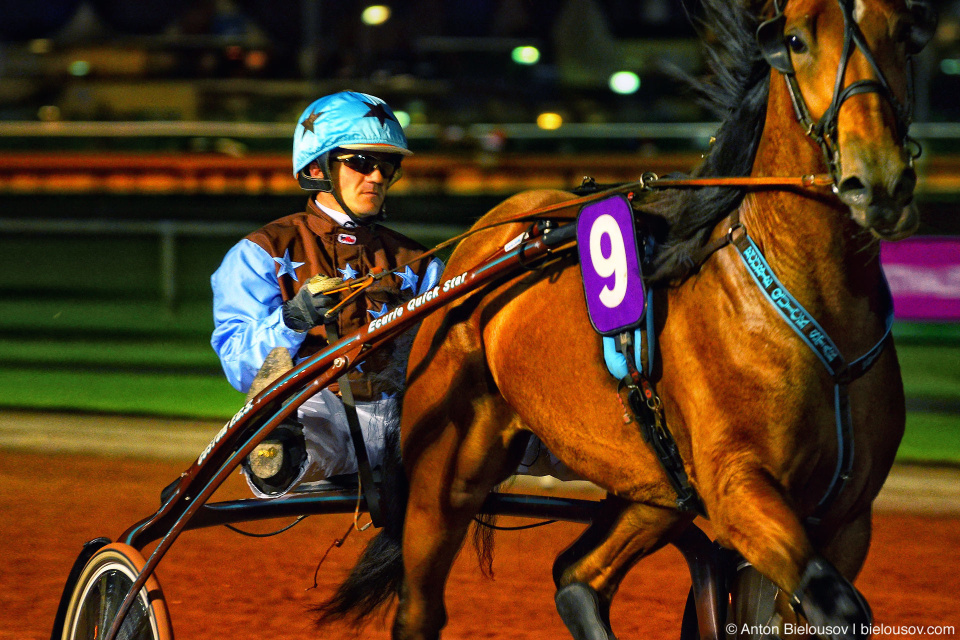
(735, 89)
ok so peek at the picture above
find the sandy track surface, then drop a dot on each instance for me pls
(916, 488)
(67, 479)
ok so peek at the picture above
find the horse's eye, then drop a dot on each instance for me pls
(796, 44)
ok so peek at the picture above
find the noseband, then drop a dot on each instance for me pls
(770, 37)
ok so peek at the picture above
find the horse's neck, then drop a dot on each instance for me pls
(808, 237)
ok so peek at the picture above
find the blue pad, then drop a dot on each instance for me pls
(615, 361)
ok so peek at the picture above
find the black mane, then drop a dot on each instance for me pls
(735, 89)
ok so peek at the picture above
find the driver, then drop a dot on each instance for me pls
(269, 293)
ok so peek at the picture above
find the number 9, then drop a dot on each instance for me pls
(613, 265)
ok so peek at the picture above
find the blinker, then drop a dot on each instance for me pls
(924, 25)
(772, 44)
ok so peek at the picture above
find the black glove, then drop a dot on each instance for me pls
(305, 310)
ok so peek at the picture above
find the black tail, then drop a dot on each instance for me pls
(378, 574)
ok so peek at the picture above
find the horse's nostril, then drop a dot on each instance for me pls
(903, 189)
(854, 192)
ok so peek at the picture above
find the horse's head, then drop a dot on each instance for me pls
(846, 63)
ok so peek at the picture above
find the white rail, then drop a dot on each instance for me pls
(270, 130)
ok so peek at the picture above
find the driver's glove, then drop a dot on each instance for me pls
(306, 309)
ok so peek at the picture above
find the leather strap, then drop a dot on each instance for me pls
(804, 182)
(645, 404)
(816, 338)
(646, 181)
(371, 491)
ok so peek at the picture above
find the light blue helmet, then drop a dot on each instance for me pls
(346, 120)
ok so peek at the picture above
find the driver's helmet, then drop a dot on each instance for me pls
(346, 120)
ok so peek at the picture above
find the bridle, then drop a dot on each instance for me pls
(773, 46)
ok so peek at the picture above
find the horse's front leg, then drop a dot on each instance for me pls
(753, 515)
(846, 549)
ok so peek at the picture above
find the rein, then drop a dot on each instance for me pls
(804, 182)
(647, 181)
(532, 215)
(358, 286)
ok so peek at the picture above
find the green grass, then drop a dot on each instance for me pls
(930, 370)
(146, 354)
(931, 437)
(138, 357)
(56, 317)
(156, 394)
(939, 333)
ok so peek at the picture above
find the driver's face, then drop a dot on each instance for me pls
(362, 193)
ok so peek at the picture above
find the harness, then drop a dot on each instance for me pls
(647, 408)
(627, 365)
(841, 372)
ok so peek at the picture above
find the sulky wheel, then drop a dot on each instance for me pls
(750, 611)
(100, 590)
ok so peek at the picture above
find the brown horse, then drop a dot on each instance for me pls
(751, 407)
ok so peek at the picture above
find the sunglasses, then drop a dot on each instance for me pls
(361, 163)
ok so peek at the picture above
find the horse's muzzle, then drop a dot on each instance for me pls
(886, 208)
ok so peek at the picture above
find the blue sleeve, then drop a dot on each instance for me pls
(247, 313)
(432, 275)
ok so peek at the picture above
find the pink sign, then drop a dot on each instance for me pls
(924, 277)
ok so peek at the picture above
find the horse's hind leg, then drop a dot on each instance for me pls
(448, 484)
(456, 448)
(589, 572)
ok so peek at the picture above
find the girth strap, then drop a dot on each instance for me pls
(648, 410)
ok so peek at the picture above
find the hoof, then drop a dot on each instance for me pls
(831, 604)
(579, 607)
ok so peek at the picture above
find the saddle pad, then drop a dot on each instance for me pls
(610, 265)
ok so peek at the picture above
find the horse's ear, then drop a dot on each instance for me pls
(924, 25)
(772, 44)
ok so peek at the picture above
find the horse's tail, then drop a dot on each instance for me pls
(378, 574)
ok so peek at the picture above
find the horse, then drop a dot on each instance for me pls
(801, 87)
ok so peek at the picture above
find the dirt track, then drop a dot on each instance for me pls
(219, 584)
